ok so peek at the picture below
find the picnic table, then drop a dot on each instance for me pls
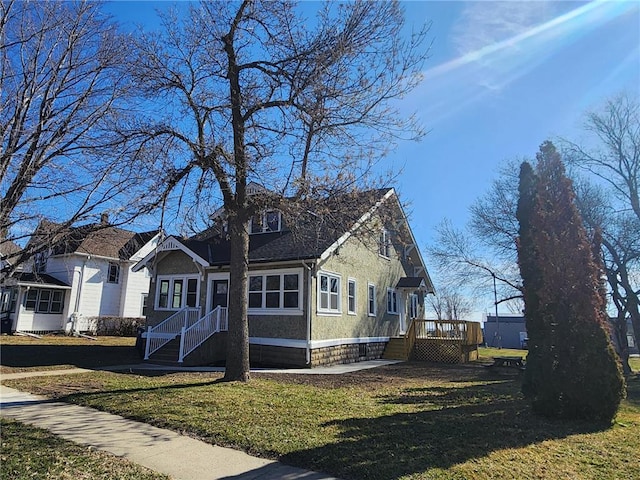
(507, 361)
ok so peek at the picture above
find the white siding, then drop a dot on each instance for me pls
(137, 285)
(30, 321)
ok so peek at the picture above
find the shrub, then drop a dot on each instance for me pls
(116, 326)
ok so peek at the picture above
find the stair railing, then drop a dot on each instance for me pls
(168, 329)
(195, 335)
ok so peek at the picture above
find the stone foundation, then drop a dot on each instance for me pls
(350, 353)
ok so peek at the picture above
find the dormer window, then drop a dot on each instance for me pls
(40, 262)
(269, 221)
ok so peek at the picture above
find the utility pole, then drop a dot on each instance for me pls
(495, 301)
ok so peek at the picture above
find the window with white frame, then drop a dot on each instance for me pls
(392, 301)
(144, 306)
(413, 305)
(174, 293)
(272, 291)
(269, 221)
(329, 293)
(371, 299)
(44, 300)
(113, 273)
(384, 244)
(351, 296)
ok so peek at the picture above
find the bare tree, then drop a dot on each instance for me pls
(485, 250)
(611, 203)
(62, 92)
(450, 304)
(253, 91)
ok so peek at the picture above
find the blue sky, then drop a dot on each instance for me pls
(502, 78)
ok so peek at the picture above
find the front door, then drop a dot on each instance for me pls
(220, 293)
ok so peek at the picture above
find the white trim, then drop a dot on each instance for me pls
(170, 243)
(328, 311)
(183, 301)
(413, 241)
(278, 342)
(334, 342)
(384, 244)
(338, 243)
(394, 298)
(210, 278)
(375, 299)
(282, 310)
(355, 296)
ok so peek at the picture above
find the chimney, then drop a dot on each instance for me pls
(104, 219)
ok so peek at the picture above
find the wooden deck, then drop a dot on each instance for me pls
(444, 341)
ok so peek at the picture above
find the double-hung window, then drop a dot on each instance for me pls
(351, 296)
(44, 300)
(371, 300)
(329, 300)
(392, 301)
(275, 291)
(174, 293)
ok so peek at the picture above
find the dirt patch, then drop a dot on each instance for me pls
(373, 378)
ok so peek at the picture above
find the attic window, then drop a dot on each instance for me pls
(269, 221)
(384, 245)
(40, 262)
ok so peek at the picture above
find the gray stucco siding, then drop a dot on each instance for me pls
(276, 326)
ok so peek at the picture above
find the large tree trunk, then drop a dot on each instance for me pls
(237, 366)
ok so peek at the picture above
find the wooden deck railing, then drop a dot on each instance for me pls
(467, 333)
(448, 341)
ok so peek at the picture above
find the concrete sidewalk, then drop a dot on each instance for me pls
(161, 450)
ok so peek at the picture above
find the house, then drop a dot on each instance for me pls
(331, 287)
(8, 252)
(83, 276)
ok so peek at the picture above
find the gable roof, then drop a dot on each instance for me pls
(315, 232)
(320, 228)
(95, 239)
(9, 249)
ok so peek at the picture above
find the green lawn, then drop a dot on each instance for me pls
(33, 453)
(409, 421)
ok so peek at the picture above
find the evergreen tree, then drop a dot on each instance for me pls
(526, 260)
(573, 371)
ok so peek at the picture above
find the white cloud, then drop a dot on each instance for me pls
(482, 24)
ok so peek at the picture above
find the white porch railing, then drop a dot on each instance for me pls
(170, 328)
(192, 337)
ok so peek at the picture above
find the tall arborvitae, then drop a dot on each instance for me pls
(573, 371)
(531, 278)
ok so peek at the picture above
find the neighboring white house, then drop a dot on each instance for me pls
(88, 274)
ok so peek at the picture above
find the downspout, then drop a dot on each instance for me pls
(308, 339)
(76, 309)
